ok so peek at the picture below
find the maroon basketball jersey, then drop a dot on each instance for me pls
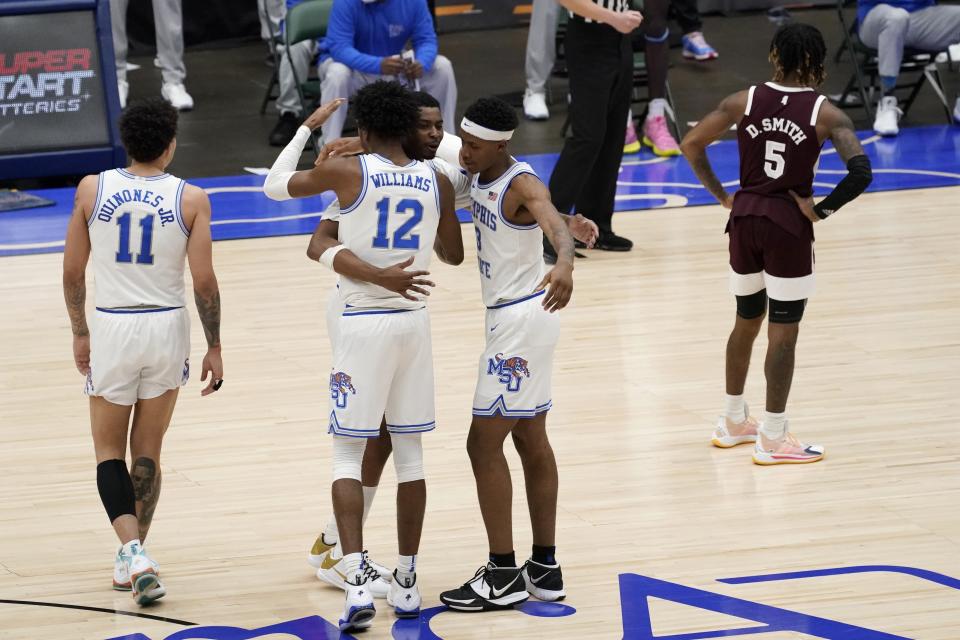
(777, 138)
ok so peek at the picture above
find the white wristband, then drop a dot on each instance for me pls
(326, 258)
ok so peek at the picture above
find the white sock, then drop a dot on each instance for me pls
(351, 566)
(406, 567)
(774, 425)
(131, 548)
(330, 533)
(656, 108)
(368, 495)
(736, 409)
(630, 116)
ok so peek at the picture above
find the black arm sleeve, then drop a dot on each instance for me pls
(858, 178)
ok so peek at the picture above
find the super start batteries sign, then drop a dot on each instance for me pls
(51, 89)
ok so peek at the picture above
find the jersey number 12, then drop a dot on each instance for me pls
(146, 239)
(403, 237)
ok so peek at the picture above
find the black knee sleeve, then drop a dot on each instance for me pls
(116, 489)
(752, 306)
(786, 312)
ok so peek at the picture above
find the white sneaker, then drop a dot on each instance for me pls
(358, 610)
(121, 573)
(888, 116)
(144, 581)
(535, 105)
(319, 552)
(123, 88)
(404, 597)
(176, 94)
(331, 571)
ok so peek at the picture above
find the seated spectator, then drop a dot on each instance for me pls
(891, 26)
(364, 41)
(288, 102)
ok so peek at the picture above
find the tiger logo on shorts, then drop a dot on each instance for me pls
(510, 371)
(341, 386)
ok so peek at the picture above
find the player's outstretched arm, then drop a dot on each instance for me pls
(839, 128)
(535, 198)
(711, 128)
(285, 182)
(449, 243)
(76, 253)
(206, 290)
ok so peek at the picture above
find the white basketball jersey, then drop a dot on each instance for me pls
(395, 217)
(138, 242)
(510, 256)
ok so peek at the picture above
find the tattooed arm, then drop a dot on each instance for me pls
(76, 252)
(711, 128)
(205, 289)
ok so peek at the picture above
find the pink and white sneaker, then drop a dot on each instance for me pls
(657, 136)
(785, 450)
(630, 142)
(730, 434)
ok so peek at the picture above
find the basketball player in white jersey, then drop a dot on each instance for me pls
(325, 555)
(400, 211)
(511, 212)
(140, 225)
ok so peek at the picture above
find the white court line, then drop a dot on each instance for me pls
(636, 163)
(36, 245)
(916, 172)
(865, 141)
(297, 216)
(671, 200)
(213, 190)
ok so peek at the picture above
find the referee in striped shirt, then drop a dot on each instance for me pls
(600, 67)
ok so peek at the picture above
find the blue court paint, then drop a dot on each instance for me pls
(923, 574)
(309, 628)
(920, 157)
(419, 628)
(635, 589)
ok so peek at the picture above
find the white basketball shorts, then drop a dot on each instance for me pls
(514, 373)
(138, 354)
(382, 367)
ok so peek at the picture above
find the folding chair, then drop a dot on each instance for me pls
(918, 67)
(306, 21)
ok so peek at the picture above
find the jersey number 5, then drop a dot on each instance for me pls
(146, 240)
(403, 237)
(773, 160)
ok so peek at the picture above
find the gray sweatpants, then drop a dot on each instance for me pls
(889, 29)
(541, 44)
(302, 54)
(271, 14)
(168, 21)
(340, 81)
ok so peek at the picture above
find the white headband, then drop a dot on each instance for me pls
(483, 133)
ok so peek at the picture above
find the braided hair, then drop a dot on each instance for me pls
(799, 49)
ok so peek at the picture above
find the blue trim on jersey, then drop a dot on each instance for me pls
(499, 408)
(519, 227)
(503, 175)
(412, 428)
(363, 190)
(127, 174)
(96, 201)
(377, 312)
(390, 162)
(335, 428)
(518, 300)
(149, 310)
(178, 208)
(436, 189)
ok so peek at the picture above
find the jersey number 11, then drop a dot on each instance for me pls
(146, 239)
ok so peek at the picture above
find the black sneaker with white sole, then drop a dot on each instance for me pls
(543, 581)
(491, 589)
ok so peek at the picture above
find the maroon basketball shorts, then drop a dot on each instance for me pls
(763, 255)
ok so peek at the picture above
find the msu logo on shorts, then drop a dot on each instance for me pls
(341, 386)
(510, 371)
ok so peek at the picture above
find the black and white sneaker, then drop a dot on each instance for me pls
(491, 588)
(543, 581)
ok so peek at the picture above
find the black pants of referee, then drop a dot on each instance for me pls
(600, 66)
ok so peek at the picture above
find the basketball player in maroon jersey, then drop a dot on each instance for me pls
(781, 126)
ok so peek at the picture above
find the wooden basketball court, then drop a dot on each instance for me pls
(638, 385)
